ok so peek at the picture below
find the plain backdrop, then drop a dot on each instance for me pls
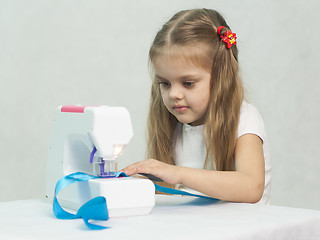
(94, 52)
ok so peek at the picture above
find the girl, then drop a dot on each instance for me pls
(202, 134)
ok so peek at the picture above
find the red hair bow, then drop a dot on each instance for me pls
(228, 37)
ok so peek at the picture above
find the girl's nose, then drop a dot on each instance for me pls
(176, 92)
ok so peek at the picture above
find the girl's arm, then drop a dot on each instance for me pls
(245, 184)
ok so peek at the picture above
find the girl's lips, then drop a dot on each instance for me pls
(179, 108)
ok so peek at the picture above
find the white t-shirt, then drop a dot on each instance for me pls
(190, 147)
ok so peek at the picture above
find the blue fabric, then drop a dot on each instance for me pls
(179, 192)
(96, 208)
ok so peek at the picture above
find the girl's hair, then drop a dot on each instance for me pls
(196, 31)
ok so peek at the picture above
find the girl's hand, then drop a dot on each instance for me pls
(168, 173)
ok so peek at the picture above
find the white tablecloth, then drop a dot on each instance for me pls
(173, 217)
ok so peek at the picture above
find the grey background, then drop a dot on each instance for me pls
(95, 52)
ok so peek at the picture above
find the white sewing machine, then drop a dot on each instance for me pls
(77, 130)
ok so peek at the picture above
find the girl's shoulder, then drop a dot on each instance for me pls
(249, 112)
(247, 107)
(250, 121)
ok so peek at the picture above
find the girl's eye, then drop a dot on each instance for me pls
(165, 83)
(188, 84)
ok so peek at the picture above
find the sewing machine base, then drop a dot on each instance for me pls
(126, 196)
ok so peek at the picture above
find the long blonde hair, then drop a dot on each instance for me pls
(197, 29)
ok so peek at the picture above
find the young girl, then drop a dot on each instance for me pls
(202, 134)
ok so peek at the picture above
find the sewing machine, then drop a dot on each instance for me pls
(90, 139)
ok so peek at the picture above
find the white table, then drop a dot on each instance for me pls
(173, 217)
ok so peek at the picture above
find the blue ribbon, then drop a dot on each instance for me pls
(96, 208)
(180, 192)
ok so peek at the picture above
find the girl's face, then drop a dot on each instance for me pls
(185, 88)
